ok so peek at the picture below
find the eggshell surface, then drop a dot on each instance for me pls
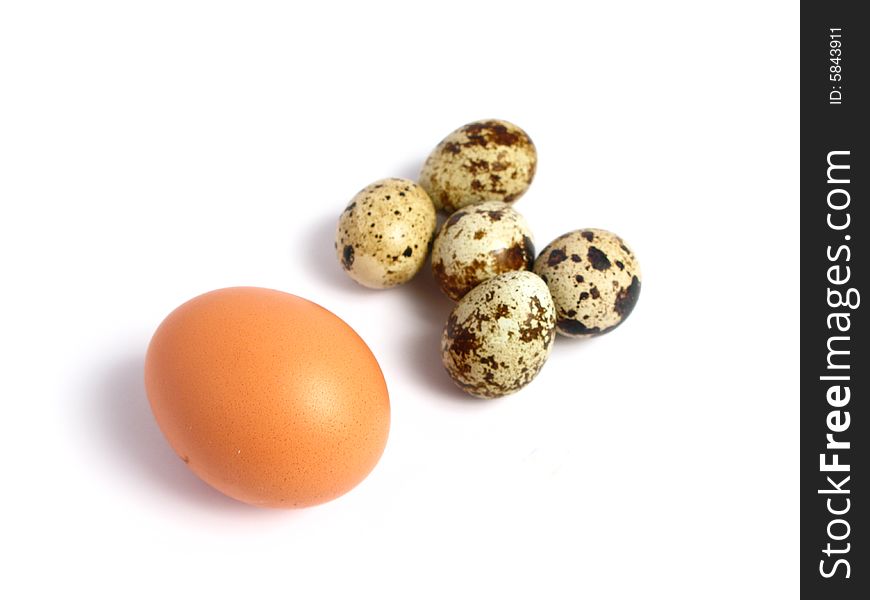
(477, 243)
(499, 335)
(383, 235)
(484, 160)
(268, 397)
(594, 278)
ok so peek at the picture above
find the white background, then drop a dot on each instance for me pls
(153, 151)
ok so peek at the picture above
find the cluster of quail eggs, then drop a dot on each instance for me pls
(510, 301)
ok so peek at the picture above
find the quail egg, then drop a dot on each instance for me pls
(484, 160)
(384, 233)
(594, 279)
(479, 242)
(499, 335)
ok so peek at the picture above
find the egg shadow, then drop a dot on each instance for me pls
(317, 250)
(422, 349)
(565, 342)
(410, 169)
(132, 436)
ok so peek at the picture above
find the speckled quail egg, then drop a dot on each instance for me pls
(479, 242)
(484, 160)
(594, 279)
(499, 335)
(384, 233)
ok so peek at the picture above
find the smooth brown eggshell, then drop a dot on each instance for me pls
(268, 397)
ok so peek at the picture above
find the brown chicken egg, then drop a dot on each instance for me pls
(268, 397)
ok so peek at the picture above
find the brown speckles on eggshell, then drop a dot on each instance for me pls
(557, 255)
(347, 257)
(484, 160)
(454, 218)
(462, 257)
(596, 293)
(380, 228)
(499, 335)
(514, 258)
(627, 298)
(597, 259)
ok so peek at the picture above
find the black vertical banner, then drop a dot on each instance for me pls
(835, 338)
